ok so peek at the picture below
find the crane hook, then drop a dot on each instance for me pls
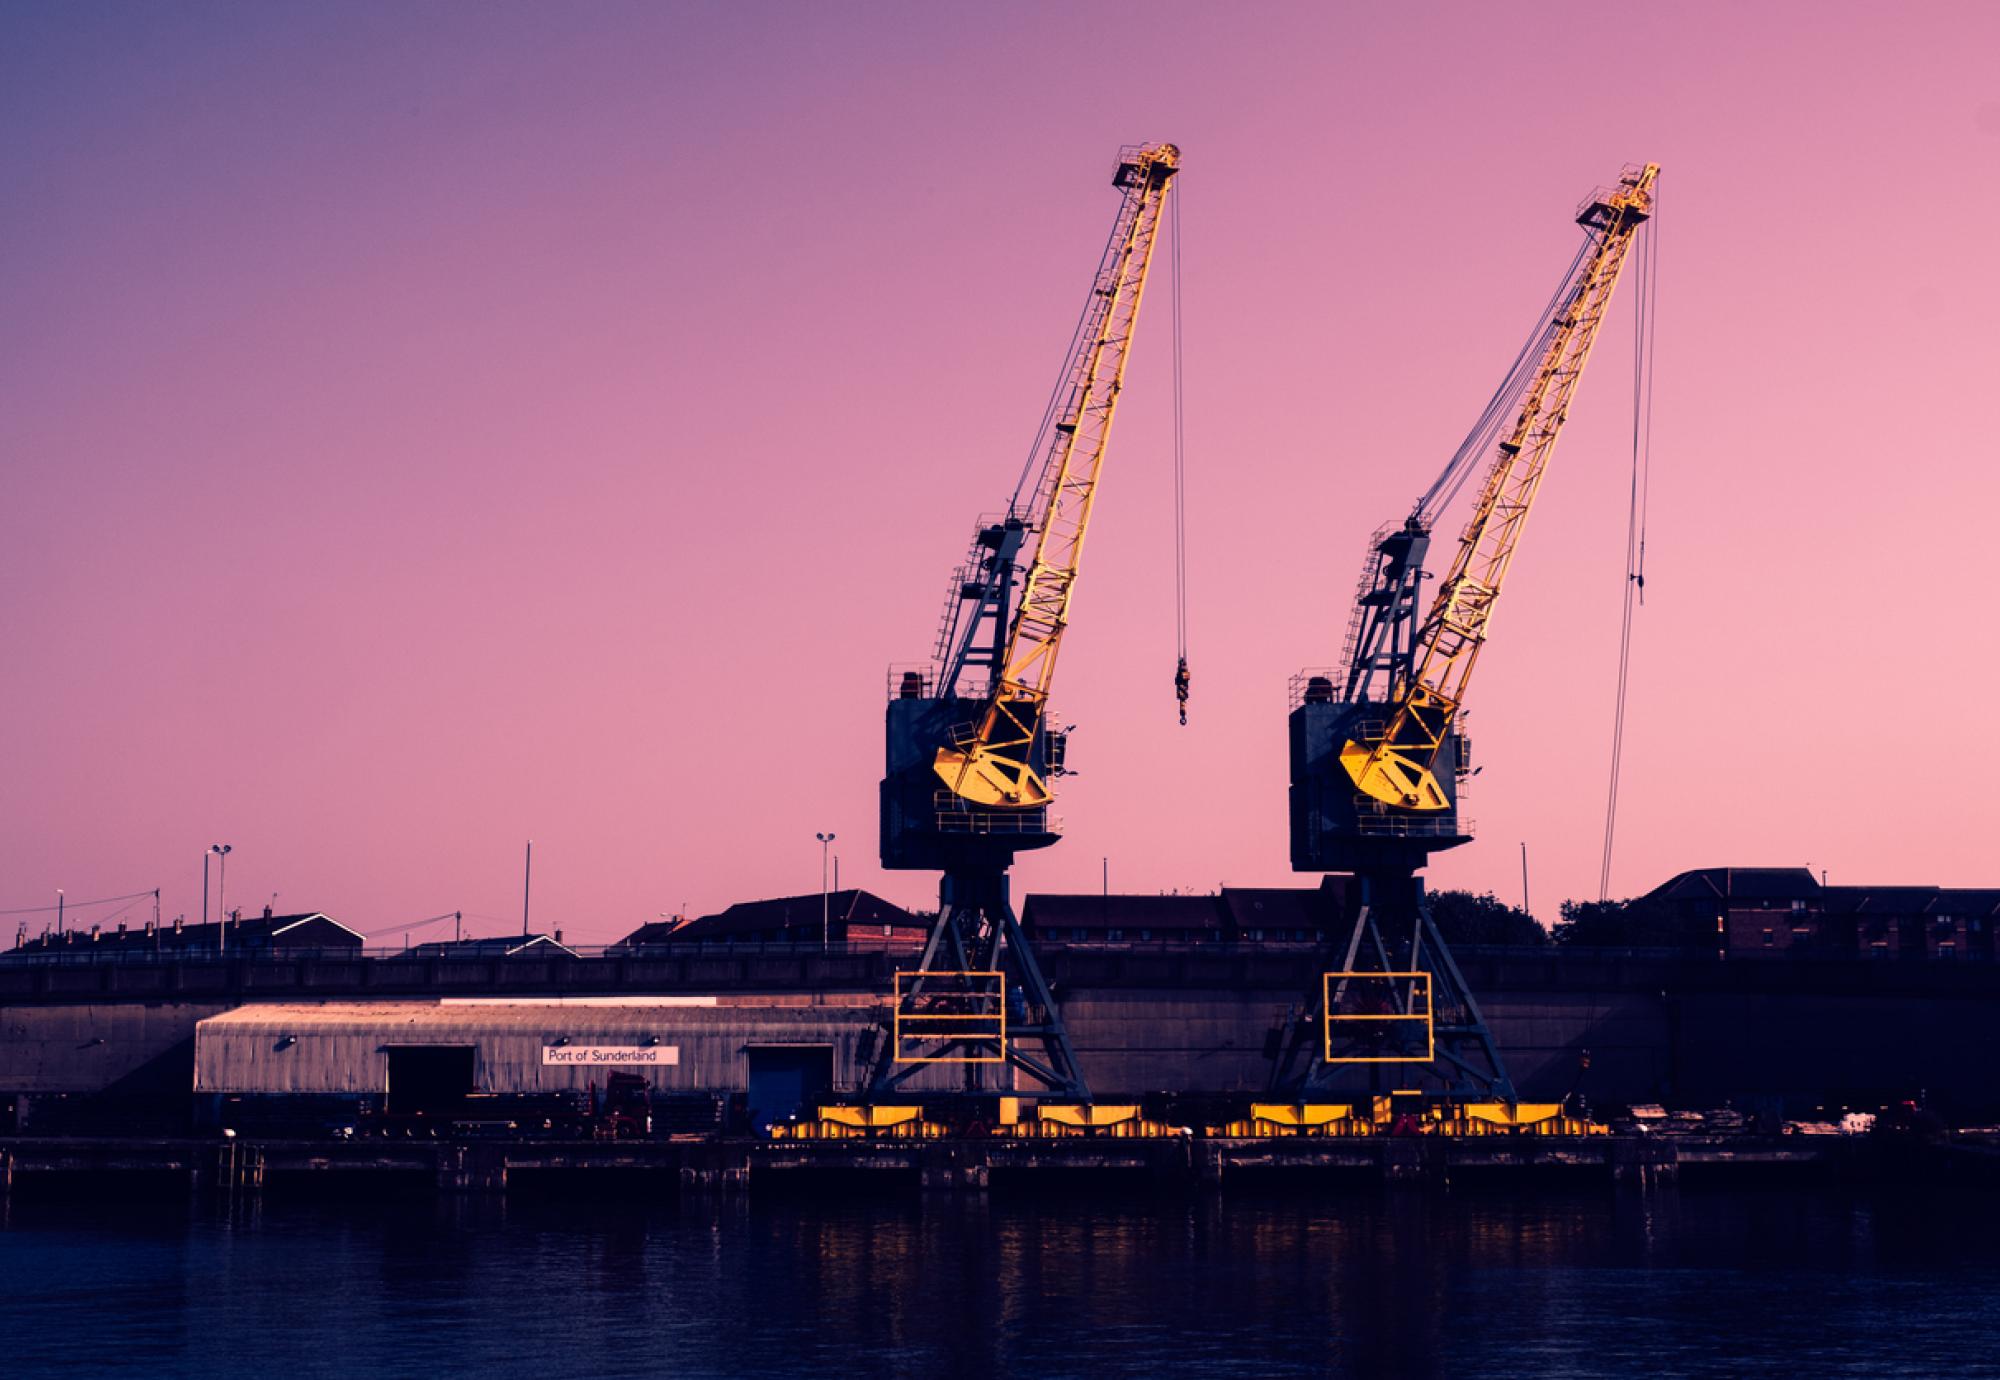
(1181, 680)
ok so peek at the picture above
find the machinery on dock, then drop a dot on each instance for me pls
(1407, 1113)
(972, 754)
(991, 1117)
(1378, 747)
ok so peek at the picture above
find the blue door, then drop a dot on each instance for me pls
(787, 1081)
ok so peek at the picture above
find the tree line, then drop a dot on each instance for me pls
(1639, 922)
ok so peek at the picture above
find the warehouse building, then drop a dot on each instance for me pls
(771, 1055)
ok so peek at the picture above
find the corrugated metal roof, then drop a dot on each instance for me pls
(430, 1017)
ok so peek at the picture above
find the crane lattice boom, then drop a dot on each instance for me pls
(1395, 767)
(991, 765)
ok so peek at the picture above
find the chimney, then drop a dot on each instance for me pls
(93, 933)
(177, 924)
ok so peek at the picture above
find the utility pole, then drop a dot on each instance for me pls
(1524, 878)
(825, 898)
(527, 879)
(204, 886)
(59, 910)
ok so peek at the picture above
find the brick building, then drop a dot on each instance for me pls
(1787, 911)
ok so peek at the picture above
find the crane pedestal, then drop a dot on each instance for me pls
(1392, 1009)
(976, 998)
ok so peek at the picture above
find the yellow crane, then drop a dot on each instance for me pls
(970, 756)
(1378, 750)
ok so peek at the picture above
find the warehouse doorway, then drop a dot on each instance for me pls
(787, 1079)
(429, 1079)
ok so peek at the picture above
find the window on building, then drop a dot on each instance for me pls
(1770, 940)
(1114, 934)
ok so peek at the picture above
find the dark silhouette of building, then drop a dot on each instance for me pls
(260, 934)
(854, 917)
(1778, 911)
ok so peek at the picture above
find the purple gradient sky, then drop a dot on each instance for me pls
(427, 428)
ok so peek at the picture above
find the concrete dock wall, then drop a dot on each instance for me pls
(1697, 1032)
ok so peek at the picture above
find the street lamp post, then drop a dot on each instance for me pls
(222, 852)
(825, 897)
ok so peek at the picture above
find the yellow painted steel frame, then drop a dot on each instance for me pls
(1420, 988)
(992, 767)
(1396, 768)
(875, 1116)
(933, 1026)
(1087, 1114)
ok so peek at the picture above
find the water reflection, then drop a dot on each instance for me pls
(1406, 1283)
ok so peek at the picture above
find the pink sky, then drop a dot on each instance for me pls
(431, 428)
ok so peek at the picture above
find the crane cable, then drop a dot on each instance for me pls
(1485, 432)
(1038, 449)
(1635, 519)
(1182, 679)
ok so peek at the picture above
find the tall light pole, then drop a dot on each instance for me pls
(222, 852)
(825, 897)
(59, 910)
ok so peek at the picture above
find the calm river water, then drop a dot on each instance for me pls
(1696, 1282)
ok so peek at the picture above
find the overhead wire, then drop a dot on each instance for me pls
(1643, 334)
(79, 905)
(410, 925)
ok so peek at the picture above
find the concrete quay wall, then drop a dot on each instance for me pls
(1693, 1032)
